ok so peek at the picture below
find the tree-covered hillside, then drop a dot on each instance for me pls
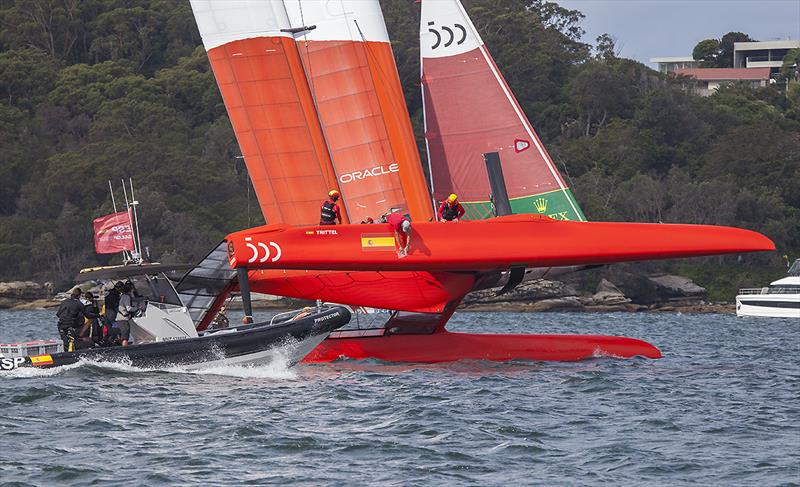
(94, 90)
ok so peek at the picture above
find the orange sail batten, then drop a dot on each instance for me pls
(264, 87)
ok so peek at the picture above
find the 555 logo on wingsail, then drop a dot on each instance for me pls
(451, 33)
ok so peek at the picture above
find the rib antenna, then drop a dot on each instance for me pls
(135, 203)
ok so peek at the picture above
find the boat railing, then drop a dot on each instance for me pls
(767, 290)
(754, 290)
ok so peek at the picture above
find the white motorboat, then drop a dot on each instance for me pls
(781, 299)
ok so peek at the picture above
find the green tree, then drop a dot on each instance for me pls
(606, 47)
(707, 52)
(725, 58)
(26, 76)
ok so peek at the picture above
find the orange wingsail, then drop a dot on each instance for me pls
(351, 71)
(263, 83)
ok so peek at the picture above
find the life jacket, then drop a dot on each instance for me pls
(450, 212)
(327, 214)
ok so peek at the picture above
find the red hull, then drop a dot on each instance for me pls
(444, 346)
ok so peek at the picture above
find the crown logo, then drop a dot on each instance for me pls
(540, 204)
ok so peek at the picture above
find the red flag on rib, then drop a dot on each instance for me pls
(113, 233)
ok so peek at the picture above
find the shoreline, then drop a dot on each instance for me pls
(505, 306)
(627, 308)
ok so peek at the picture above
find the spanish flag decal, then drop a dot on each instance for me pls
(39, 360)
(377, 241)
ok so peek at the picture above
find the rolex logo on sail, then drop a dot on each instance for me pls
(540, 204)
(369, 172)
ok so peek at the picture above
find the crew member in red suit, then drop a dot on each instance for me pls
(401, 226)
(450, 209)
(330, 212)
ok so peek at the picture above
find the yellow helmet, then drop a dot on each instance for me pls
(333, 193)
(452, 198)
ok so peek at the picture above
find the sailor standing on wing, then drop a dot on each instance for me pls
(330, 212)
(401, 225)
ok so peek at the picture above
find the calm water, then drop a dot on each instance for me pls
(721, 408)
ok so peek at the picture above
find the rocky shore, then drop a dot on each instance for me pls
(637, 293)
(634, 293)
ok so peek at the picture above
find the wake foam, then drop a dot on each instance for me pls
(34, 372)
(275, 370)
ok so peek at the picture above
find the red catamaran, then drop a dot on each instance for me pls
(314, 98)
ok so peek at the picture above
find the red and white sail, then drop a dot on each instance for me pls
(351, 70)
(469, 111)
(263, 83)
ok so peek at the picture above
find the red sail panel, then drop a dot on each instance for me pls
(470, 110)
(263, 84)
(351, 71)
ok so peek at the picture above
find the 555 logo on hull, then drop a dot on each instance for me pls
(268, 255)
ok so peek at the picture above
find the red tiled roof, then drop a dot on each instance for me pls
(711, 74)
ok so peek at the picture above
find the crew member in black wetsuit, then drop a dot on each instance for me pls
(92, 328)
(111, 301)
(450, 209)
(108, 334)
(71, 313)
(330, 212)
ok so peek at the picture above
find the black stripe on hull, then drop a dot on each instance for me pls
(772, 304)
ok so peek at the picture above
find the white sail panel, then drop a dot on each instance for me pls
(224, 21)
(446, 30)
(338, 20)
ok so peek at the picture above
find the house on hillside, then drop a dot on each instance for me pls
(668, 65)
(765, 54)
(709, 79)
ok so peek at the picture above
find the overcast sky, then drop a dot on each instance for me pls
(655, 28)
